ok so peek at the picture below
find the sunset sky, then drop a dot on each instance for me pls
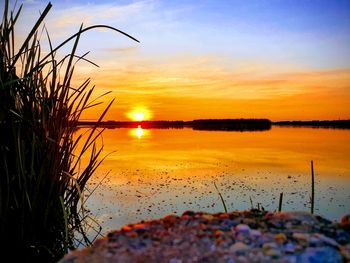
(277, 59)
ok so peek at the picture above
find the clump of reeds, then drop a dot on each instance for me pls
(41, 181)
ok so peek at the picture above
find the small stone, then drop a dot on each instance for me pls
(242, 259)
(321, 254)
(255, 233)
(242, 228)
(345, 221)
(127, 228)
(208, 217)
(175, 260)
(289, 248)
(269, 245)
(273, 252)
(345, 251)
(223, 216)
(218, 233)
(188, 213)
(328, 240)
(177, 241)
(238, 247)
(280, 238)
(170, 219)
(303, 239)
(315, 241)
(131, 234)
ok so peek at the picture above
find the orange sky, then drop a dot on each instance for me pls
(282, 60)
(205, 90)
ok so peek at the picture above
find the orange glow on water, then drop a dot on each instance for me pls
(159, 171)
(138, 132)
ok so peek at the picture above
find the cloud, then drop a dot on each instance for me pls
(130, 49)
(97, 13)
(206, 76)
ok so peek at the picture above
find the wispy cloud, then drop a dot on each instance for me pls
(96, 13)
(230, 58)
(130, 49)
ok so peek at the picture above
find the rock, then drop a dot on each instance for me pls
(345, 222)
(345, 251)
(289, 248)
(242, 228)
(255, 233)
(321, 255)
(327, 240)
(201, 237)
(280, 238)
(302, 238)
(273, 252)
(238, 247)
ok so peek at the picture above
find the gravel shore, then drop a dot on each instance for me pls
(247, 236)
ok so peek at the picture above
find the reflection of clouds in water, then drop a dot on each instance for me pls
(173, 171)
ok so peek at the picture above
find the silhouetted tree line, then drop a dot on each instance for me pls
(340, 124)
(203, 124)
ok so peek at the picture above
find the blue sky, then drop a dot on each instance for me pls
(196, 50)
(314, 33)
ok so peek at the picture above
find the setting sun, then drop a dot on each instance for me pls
(139, 114)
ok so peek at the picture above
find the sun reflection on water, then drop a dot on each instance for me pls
(138, 132)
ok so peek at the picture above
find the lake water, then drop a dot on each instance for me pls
(162, 171)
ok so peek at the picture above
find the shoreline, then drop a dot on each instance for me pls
(239, 236)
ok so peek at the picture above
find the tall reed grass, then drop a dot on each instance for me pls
(41, 181)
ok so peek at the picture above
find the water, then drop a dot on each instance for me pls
(157, 172)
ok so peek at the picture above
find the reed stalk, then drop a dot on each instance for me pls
(312, 187)
(222, 199)
(280, 202)
(41, 181)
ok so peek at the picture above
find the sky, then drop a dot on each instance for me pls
(276, 59)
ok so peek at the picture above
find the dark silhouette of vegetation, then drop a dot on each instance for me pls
(280, 202)
(135, 124)
(312, 198)
(205, 124)
(339, 124)
(41, 177)
(232, 124)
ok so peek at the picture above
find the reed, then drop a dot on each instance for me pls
(280, 202)
(222, 199)
(41, 181)
(312, 201)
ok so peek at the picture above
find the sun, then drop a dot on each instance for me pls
(139, 114)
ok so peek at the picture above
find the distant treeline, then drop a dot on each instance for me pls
(340, 124)
(204, 124)
(231, 124)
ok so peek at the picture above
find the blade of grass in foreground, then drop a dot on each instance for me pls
(222, 199)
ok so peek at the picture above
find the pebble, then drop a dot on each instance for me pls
(242, 228)
(328, 241)
(255, 233)
(280, 238)
(321, 255)
(238, 247)
(247, 236)
(289, 248)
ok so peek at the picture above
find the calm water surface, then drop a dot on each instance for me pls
(158, 172)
